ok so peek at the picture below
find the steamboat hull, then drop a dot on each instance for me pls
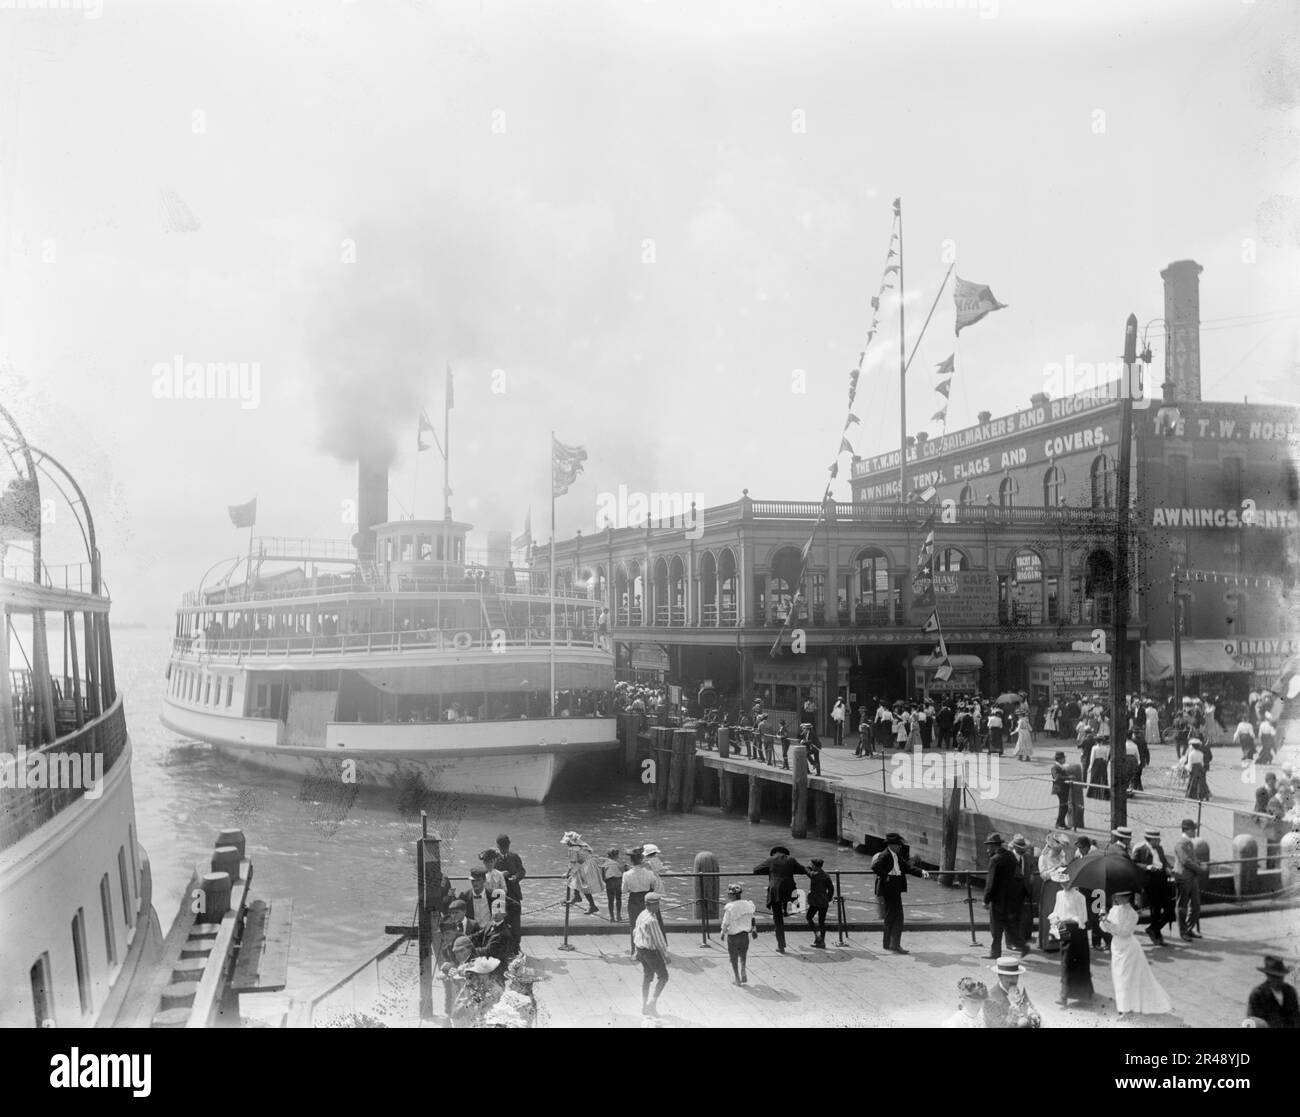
(517, 761)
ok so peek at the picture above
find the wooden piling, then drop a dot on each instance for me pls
(724, 791)
(755, 798)
(798, 791)
(951, 831)
(690, 765)
(707, 908)
(677, 773)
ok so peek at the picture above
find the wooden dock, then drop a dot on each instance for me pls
(598, 985)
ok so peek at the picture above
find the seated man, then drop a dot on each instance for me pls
(496, 940)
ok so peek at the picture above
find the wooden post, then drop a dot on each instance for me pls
(1244, 849)
(676, 774)
(724, 742)
(798, 792)
(724, 790)
(663, 745)
(755, 798)
(689, 765)
(424, 930)
(951, 830)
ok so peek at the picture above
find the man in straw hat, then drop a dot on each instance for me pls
(1004, 896)
(780, 868)
(821, 890)
(1121, 841)
(1187, 879)
(1009, 1005)
(1151, 856)
(738, 927)
(1275, 1001)
(652, 952)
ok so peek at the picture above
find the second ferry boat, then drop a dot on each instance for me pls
(397, 656)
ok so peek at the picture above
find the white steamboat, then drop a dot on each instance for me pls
(415, 661)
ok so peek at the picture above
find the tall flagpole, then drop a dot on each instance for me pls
(902, 368)
(550, 582)
(446, 468)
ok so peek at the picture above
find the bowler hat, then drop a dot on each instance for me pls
(893, 838)
(1188, 824)
(778, 849)
(478, 874)
(994, 839)
(1273, 966)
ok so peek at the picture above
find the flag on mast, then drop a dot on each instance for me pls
(244, 515)
(426, 427)
(973, 302)
(566, 464)
(932, 623)
(526, 539)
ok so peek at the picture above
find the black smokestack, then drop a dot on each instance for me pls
(1183, 328)
(372, 503)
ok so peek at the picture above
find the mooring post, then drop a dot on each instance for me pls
(798, 792)
(706, 890)
(970, 912)
(841, 912)
(755, 798)
(690, 762)
(424, 930)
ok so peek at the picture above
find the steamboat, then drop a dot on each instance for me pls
(397, 656)
(77, 925)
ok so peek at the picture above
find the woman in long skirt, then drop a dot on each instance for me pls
(1051, 863)
(1197, 785)
(1024, 739)
(1098, 781)
(1069, 921)
(1136, 989)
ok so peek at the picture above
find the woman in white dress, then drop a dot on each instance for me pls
(1024, 739)
(1136, 989)
(971, 995)
(1049, 722)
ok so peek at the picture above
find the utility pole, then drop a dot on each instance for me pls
(1119, 652)
(1177, 637)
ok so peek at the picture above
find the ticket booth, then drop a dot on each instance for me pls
(965, 677)
(1055, 675)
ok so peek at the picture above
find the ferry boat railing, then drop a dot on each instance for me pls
(398, 584)
(71, 577)
(464, 640)
(67, 760)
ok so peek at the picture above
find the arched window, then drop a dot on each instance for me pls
(1007, 489)
(1102, 477)
(950, 559)
(874, 588)
(967, 497)
(1053, 488)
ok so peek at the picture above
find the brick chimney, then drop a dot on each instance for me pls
(1040, 399)
(1183, 328)
(372, 504)
(985, 417)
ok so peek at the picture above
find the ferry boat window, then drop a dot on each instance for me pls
(83, 962)
(106, 903)
(127, 913)
(135, 868)
(42, 1002)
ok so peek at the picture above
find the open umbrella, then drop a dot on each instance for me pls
(1008, 697)
(1105, 872)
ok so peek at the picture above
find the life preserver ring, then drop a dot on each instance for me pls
(462, 640)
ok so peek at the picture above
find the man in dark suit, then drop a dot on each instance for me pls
(892, 868)
(1060, 788)
(1275, 1001)
(496, 941)
(458, 923)
(780, 868)
(477, 899)
(1004, 896)
(1160, 896)
(821, 891)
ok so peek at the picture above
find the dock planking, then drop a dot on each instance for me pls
(858, 985)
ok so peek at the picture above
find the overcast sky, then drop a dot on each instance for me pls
(646, 215)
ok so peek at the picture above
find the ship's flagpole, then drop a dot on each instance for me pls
(550, 581)
(902, 365)
(446, 472)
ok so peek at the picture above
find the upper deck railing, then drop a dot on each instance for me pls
(492, 641)
(72, 577)
(24, 810)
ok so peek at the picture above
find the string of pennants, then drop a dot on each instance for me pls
(972, 301)
(888, 282)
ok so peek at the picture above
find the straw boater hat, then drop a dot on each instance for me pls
(1123, 896)
(1008, 967)
(1273, 966)
(652, 897)
(1123, 832)
(650, 849)
(1151, 833)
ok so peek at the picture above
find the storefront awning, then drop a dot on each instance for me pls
(1200, 657)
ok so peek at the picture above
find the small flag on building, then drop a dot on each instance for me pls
(244, 515)
(946, 366)
(932, 623)
(566, 464)
(944, 387)
(944, 673)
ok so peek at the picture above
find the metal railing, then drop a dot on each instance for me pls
(25, 810)
(453, 642)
